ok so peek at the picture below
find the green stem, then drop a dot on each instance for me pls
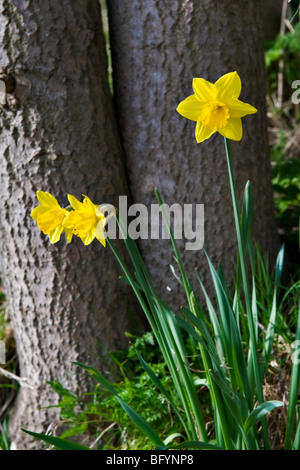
(247, 294)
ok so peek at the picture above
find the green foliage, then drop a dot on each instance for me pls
(94, 412)
(286, 185)
(4, 436)
(284, 130)
(59, 443)
(285, 47)
(233, 344)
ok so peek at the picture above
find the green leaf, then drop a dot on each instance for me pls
(272, 320)
(190, 329)
(296, 444)
(214, 320)
(268, 342)
(140, 423)
(247, 216)
(62, 444)
(232, 338)
(279, 265)
(156, 380)
(259, 412)
(293, 397)
(191, 445)
(99, 377)
(198, 322)
(172, 437)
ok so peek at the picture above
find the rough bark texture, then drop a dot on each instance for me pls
(58, 134)
(271, 16)
(157, 49)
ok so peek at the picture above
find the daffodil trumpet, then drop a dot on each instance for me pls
(86, 221)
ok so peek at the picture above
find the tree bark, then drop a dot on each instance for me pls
(58, 134)
(271, 16)
(157, 49)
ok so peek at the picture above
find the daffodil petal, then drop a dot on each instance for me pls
(229, 86)
(36, 211)
(102, 241)
(202, 132)
(77, 205)
(87, 201)
(205, 91)
(46, 199)
(233, 130)
(239, 109)
(54, 236)
(100, 232)
(66, 222)
(190, 108)
(89, 237)
(46, 222)
(69, 234)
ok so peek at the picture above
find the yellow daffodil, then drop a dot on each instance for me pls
(216, 107)
(86, 221)
(49, 217)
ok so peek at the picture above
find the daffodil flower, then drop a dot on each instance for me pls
(49, 217)
(86, 220)
(216, 107)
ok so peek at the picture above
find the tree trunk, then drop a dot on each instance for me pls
(271, 16)
(157, 49)
(58, 134)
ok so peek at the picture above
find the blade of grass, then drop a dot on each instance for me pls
(98, 376)
(246, 230)
(259, 412)
(214, 321)
(296, 444)
(233, 344)
(140, 423)
(216, 398)
(59, 443)
(160, 386)
(191, 445)
(293, 395)
(268, 343)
